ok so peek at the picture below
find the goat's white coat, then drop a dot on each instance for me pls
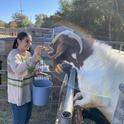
(99, 79)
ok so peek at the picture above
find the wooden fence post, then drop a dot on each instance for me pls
(77, 116)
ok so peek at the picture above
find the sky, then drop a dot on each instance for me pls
(30, 8)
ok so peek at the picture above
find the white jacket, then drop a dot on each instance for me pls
(19, 77)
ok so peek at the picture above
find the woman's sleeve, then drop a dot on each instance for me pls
(19, 67)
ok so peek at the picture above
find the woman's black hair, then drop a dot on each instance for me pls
(20, 36)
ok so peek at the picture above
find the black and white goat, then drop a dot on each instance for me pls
(100, 70)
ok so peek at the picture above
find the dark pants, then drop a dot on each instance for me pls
(21, 114)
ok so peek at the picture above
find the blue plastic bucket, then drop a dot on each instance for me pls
(40, 91)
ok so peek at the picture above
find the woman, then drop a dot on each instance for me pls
(20, 70)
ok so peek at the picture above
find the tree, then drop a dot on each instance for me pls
(100, 17)
(48, 22)
(2, 24)
(21, 20)
(12, 24)
(43, 20)
(25, 22)
(39, 19)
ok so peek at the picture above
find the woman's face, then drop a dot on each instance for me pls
(25, 43)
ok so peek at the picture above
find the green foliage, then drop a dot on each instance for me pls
(21, 20)
(43, 21)
(48, 22)
(39, 19)
(31, 70)
(101, 17)
(66, 6)
(25, 22)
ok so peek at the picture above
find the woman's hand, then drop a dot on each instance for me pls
(40, 73)
(38, 52)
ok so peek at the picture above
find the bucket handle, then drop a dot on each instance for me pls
(44, 74)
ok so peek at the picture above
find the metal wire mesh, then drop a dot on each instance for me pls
(45, 114)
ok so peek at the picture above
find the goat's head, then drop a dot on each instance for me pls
(68, 46)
